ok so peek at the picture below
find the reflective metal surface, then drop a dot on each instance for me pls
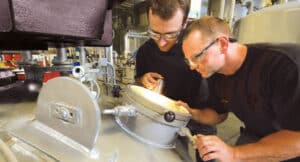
(67, 106)
(18, 121)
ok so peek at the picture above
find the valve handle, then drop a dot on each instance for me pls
(169, 116)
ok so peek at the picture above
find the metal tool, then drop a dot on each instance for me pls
(159, 88)
(184, 131)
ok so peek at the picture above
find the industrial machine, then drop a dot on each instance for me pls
(68, 126)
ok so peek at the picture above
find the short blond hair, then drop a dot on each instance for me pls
(212, 27)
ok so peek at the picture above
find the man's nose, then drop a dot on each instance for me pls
(162, 42)
(192, 65)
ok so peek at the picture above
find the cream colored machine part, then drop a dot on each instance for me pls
(158, 99)
(186, 132)
(159, 88)
(277, 24)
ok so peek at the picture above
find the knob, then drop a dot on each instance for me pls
(169, 116)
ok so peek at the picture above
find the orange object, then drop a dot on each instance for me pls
(17, 57)
(21, 76)
(50, 74)
(41, 63)
(7, 57)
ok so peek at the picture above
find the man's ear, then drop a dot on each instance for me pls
(224, 42)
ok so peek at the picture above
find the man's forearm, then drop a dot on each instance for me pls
(278, 146)
(207, 116)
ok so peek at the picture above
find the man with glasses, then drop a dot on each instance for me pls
(161, 57)
(259, 83)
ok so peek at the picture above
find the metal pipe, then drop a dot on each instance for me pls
(232, 7)
(135, 44)
(249, 5)
(113, 73)
(222, 8)
(82, 55)
(111, 56)
(126, 110)
(61, 54)
(27, 56)
(27, 59)
(110, 64)
(126, 41)
(133, 35)
(115, 56)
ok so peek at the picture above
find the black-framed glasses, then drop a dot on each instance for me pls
(200, 54)
(171, 36)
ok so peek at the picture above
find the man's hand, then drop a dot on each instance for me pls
(212, 147)
(183, 104)
(151, 80)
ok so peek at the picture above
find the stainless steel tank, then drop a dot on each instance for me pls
(274, 24)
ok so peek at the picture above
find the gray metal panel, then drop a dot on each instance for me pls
(39, 24)
(60, 17)
(5, 16)
(106, 39)
(67, 106)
